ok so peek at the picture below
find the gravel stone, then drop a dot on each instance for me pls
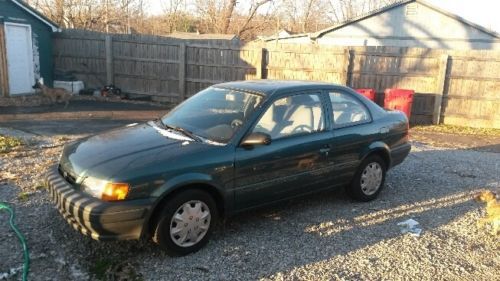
(325, 236)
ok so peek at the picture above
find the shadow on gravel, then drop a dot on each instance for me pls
(488, 148)
(434, 187)
(305, 231)
(319, 227)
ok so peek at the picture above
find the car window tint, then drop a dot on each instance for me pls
(292, 115)
(347, 110)
(214, 113)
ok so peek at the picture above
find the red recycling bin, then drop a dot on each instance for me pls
(399, 99)
(369, 93)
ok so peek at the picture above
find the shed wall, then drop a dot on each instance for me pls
(41, 37)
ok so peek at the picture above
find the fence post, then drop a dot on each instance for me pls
(4, 76)
(109, 60)
(440, 81)
(261, 63)
(182, 71)
(345, 67)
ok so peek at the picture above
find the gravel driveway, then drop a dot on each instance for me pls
(321, 237)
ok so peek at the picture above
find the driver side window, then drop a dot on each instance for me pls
(292, 115)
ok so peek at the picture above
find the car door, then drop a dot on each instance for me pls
(295, 161)
(352, 133)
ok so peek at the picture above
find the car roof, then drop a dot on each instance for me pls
(269, 88)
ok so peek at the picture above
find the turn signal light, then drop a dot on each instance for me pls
(115, 191)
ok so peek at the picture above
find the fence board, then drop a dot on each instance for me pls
(466, 89)
(472, 96)
(303, 62)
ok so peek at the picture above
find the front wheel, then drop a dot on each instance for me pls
(368, 180)
(186, 222)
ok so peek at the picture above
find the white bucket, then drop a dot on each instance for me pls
(73, 87)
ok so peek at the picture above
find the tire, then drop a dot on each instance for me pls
(368, 180)
(178, 239)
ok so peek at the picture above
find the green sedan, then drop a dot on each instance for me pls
(229, 148)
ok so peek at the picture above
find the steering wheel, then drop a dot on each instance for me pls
(302, 129)
(236, 123)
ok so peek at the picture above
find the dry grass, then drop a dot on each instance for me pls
(8, 143)
(459, 130)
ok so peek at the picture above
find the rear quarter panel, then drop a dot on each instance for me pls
(386, 133)
(395, 126)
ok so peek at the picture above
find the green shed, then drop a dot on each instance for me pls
(25, 48)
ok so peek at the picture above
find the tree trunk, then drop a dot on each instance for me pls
(227, 14)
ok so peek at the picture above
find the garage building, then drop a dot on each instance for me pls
(408, 23)
(25, 48)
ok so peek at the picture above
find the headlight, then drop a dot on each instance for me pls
(105, 190)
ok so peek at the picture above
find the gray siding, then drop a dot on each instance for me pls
(419, 26)
(426, 28)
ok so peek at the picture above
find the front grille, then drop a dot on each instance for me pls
(67, 176)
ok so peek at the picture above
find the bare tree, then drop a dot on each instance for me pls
(342, 10)
(248, 19)
(224, 16)
(303, 16)
(91, 14)
(250, 16)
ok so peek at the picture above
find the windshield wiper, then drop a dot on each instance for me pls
(182, 130)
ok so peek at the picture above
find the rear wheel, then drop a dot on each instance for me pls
(186, 222)
(368, 180)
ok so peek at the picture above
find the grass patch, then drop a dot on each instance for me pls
(40, 185)
(458, 130)
(63, 138)
(8, 143)
(100, 267)
(105, 269)
(23, 196)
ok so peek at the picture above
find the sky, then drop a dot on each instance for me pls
(482, 12)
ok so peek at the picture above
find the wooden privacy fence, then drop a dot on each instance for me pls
(168, 69)
(306, 62)
(472, 89)
(421, 70)
(452, 87)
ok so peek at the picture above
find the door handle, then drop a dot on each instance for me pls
(323, 150)
(384, 130)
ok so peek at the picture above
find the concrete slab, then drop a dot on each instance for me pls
(65, 127)
(84, 109)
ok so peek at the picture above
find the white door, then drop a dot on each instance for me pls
(19, 58)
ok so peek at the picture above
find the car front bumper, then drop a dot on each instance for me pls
(98, 219)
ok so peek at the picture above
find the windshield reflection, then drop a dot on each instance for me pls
(214, 114)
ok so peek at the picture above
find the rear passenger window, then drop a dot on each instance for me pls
(347, 110)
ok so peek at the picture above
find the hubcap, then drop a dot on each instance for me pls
(371, 178)
(190, 223)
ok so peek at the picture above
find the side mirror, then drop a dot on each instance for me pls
(256, 139)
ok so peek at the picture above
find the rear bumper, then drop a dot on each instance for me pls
(399, 153)
(96, 218)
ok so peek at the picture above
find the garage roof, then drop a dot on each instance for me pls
(23, 5)
(395, 5)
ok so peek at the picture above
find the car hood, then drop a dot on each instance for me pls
(118, 152)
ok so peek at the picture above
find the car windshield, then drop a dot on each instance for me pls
(214, 114)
